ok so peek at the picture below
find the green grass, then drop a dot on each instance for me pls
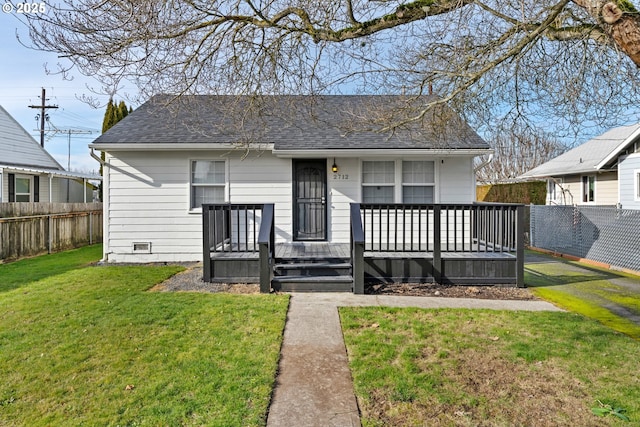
(23, 272)
(492, 368)
(604, 295)
(91, 346)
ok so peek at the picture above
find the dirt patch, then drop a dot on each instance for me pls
(452, 291)
(487, 390)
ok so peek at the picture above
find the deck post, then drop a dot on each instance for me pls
(520, 246)
(357, 249)
(206, 245)
(266, 237)
(437, 245)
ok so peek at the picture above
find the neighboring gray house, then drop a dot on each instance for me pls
(309, 156)
(29, 174)
(603, 171)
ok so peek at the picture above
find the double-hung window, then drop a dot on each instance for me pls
(22, 189)
(378, 181)
(418, 181)
(207, 182)
(588, 188)
(637, 185)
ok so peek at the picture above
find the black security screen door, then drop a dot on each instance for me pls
(309, 199)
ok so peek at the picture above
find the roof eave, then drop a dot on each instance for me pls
(377, 152)
(53, 172)
(616, 152)
(176, 146)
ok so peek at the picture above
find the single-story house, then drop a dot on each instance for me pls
(28, 173)
(309, 158)
(602, 171)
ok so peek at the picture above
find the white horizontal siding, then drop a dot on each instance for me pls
(627, 170)
(264, 178)
(343, 189)
(149, 201)
(456, 180)
(148, 198)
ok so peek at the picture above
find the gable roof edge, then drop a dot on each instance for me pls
(624, 144)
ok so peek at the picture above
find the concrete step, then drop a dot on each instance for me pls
(343, 283)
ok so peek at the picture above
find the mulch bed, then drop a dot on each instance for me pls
(190, 280)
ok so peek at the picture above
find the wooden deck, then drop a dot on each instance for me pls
(472, 244)
(312, 250)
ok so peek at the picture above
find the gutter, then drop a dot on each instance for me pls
(484, 164)
(96, 157)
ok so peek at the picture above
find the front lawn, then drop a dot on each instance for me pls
(453, 367)
(91, 346)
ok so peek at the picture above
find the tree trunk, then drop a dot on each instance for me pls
(623, 26)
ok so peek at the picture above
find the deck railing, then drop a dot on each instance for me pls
(231, 227)
(438, 228)
(237, 228)
(477, 227)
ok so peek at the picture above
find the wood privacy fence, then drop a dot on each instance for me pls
(28, 229)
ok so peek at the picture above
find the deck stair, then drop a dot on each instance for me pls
(312, 270)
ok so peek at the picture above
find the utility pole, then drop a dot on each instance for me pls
(43, 108)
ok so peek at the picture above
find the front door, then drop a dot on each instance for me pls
(309, 199)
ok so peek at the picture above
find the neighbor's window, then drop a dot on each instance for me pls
(23, 189)
(551, 189)
(418, 181)
(589, 188)
(378, 181)
(637, 184)
(207, 182)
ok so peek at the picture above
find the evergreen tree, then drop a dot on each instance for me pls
(123, 111)
(112, 115)
(107, 122)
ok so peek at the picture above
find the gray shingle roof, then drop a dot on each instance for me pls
(18, 148)
(587, 157)
(294, 123)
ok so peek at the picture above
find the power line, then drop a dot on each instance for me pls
(69, 132)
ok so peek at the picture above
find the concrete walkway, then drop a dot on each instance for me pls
(314, 385)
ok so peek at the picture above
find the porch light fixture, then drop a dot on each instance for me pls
(334, 167)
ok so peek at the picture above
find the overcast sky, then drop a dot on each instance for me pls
(22, 77)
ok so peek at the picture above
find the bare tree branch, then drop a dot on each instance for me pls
(563, 62)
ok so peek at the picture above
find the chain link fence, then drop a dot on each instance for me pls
(604, 234)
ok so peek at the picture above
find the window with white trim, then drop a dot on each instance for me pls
(418, 181)
(637, 184)
(378, 181)
(23, 189)
(208, 180)
(551, 189)
(588, 188)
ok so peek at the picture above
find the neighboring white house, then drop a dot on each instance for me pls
(601, 171)
(310, 156)
(28, 173)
